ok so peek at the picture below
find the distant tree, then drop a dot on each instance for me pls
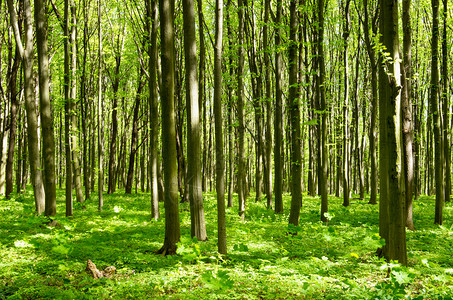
(100, 126)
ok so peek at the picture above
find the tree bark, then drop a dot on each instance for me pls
(172, 227)
(445, 105)
(45, 108)
(198, 226)
(151, 6)
(268, 101)
(294, 121)
(278, 122)
(392, 192)
(406, 100)
(346, 133)
(220, 161)
(100, 122)
(240, 110)
(437, 119)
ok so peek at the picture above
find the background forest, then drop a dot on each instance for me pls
(287, 115)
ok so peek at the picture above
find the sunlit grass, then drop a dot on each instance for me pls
(266, 259)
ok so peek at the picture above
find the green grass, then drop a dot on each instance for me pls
(336, 261)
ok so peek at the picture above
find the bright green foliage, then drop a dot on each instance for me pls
(266, 260)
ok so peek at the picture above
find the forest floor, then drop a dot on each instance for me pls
(334, 261)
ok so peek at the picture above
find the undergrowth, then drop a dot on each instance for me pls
(266, 258)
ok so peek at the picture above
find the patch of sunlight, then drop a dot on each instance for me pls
(117, 209)
(22, 244)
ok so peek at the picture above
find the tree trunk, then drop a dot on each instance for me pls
(294, 121)
(198, 226)
(268, 101)
(172, 227)
(436, 115)
(446, 105)
(45, 108)
(323, 150)
(240, 110)
(392, 194)
(407, 113)
(151, 6)
(373, 104)
(278, 121)
(30, 106)
(100, 122)
(84, 104)
(220, 161)
(346, 134)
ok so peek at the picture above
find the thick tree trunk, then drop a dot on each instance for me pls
(30, 106)
(392, 211)
(172, 227)
(45, 108)
(198, 226)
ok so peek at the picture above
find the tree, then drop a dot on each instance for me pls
(45, 108)
(99, 116)
(240, 113)
(322, 156)
(392, 214)
(436, 116)
(294, 121)
(30, 106)
(278, 122)
(268, 101)
(151, 12)
(172, 228)
(220, 161)
(198, 227)
(406, 99)
(346, 177)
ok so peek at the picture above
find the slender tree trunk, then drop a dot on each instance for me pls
(278, 122)
(446, 105)
(373, 104)
(151, 6)
(240, 110)
(268, 101)
(172, 227)
(220, 161)
(67, 115)
(84, 104)
(294, 121)
(436, 115)
(407, 113)
(346, 134)
(45, 108)
(323, 150)
(99, 116)
(231, 165)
